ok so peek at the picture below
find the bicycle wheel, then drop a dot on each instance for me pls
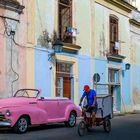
(107, 126)
(81, 128)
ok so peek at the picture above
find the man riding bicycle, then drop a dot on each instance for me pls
(92, 105)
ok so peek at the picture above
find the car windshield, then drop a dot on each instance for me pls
(30, 93)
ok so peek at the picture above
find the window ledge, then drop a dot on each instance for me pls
(134, 22)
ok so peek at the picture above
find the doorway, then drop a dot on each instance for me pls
(64, 80)
(114, 88)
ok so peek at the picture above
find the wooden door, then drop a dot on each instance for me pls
(66, 87)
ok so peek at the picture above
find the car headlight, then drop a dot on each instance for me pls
(8, 113)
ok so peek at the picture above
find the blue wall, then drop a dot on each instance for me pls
(83, 73)
(100, 67)
(43, 73)
(126, 87)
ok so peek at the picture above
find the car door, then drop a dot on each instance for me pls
(62, 104)
(51, 108)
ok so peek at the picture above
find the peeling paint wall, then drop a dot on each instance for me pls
(135, 60)
(2, 56)
(83, 24)
(136, 84)
(10, 54)
(12, 58)
(102, 32)
(101, 29)
(28, 66)
(49, 22)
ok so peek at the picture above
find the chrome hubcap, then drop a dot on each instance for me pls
(22, 124)
(72, 120)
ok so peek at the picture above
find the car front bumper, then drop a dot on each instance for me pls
(5, 123)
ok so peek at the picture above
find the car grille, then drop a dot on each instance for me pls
(2, 117)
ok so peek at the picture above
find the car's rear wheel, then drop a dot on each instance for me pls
(72, 120)
(21, 125)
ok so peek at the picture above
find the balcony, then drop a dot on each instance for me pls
(69, 40)
(115, 57)
(71, 48)
(12, 5)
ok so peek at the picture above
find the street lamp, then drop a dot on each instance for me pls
(127, 66)
(57, 48)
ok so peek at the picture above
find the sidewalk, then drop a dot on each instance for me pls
(126, 113)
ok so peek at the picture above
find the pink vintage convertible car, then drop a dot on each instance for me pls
(28, 108)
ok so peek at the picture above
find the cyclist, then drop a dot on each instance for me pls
(92, 105)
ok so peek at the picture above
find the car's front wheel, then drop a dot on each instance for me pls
(21, 125)
(72, 120)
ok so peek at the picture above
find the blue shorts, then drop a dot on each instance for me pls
(92, 109)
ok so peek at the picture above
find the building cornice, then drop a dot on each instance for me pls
(12, 5)
(134, 22)
(122, 5)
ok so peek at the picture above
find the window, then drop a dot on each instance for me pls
(113, 34)
(113, 76)
(65, 20)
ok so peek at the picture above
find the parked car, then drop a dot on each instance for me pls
(28, 108)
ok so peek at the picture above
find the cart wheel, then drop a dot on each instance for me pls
(107, 125)
(82, 128)
(88, 129)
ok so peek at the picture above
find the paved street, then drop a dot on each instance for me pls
(123, 128)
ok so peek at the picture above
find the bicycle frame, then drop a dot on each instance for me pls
(87, 116)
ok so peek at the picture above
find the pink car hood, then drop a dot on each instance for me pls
(12, 102)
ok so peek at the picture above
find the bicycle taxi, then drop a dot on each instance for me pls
(103, 116)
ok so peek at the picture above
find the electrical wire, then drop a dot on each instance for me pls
(6, 27)
(17, 78)
(10, 36)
